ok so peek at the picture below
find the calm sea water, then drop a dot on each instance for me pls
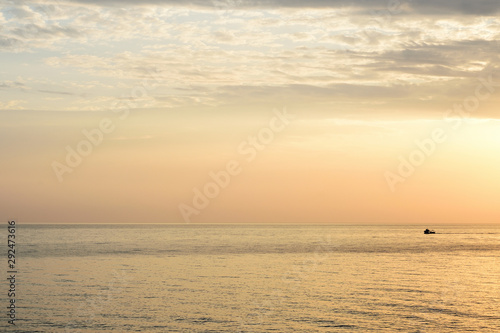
(256, 278)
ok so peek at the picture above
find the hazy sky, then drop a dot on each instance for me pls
(167, 111)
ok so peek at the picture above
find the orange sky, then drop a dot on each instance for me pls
(248, 114)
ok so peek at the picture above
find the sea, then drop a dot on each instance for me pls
(254, 278)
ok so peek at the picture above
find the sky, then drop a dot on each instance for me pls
(243, 111)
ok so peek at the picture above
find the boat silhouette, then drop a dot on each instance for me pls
(427, 231)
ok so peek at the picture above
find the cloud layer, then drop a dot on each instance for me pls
(440, 7)
(207, 54)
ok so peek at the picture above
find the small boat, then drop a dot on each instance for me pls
(427, 231)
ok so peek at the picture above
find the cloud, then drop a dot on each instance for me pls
(223, 36)
(33, 31)
(428, 7)
(11, 84)
(207, 57)
(57, 92)
(12, 105)
(9, 43)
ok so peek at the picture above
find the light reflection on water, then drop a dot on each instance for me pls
(230, 278)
